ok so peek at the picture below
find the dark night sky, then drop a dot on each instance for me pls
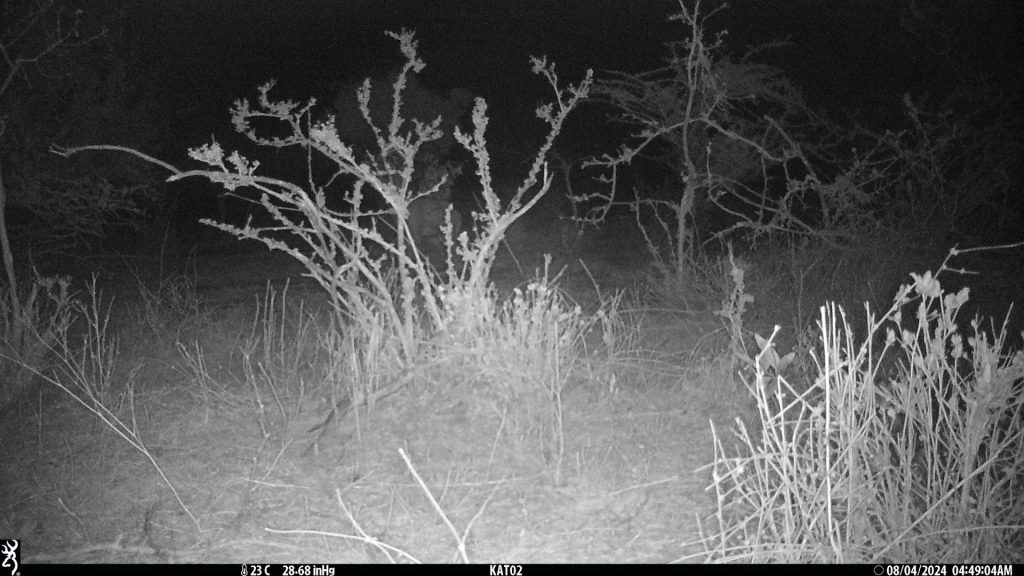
(215, 52)
(844, 53)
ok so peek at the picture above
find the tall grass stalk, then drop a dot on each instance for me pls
(925, 466)
(523, 353)
(30, 325)
(86, 371)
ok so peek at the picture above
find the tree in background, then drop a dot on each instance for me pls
(70, 76)
(64, 76)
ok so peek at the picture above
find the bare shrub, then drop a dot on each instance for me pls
(387, 299)
(717, 126)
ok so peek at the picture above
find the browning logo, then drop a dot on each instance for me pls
(11, 555)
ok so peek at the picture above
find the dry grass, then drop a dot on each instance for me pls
(855, 468)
